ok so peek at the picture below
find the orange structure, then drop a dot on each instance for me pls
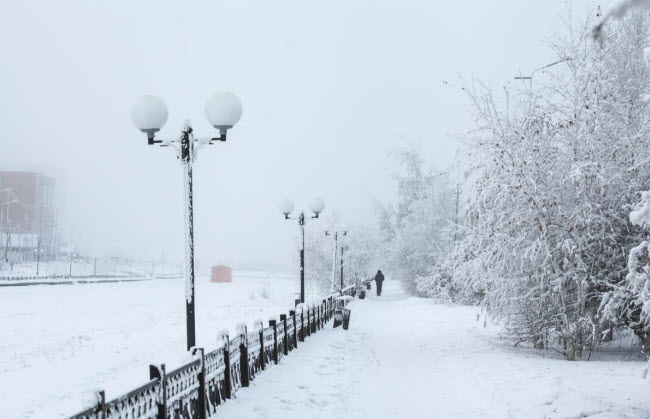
(221, 273)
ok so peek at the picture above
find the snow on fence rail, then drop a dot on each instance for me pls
(196, 389)
(69, 280)
(35, 277)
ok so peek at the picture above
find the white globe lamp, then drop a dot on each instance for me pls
(317, 206)
(223, 110)
(149, 115)
(286, 207)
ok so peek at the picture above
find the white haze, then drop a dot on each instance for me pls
(328, 88)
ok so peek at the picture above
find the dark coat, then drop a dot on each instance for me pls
(379, 277)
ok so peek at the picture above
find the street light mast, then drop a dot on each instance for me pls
(530, 78)
(336, 241)
(286, 207)
(149, 115)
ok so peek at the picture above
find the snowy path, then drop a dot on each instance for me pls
(409, 358)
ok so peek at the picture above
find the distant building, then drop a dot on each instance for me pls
(221, 273)
(26, 214)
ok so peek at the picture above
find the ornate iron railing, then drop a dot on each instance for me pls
(196, 389)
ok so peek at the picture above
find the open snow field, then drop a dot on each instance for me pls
(406, 357)
(57, 342)
(402, 357)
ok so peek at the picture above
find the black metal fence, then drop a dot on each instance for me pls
(69, 280)
(66, 276)
(195, 390)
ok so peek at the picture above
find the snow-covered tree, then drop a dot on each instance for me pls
(418, 231)
(554, 164)
(617, 11)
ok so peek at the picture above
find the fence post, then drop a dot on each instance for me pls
(225, 341)
(308, 322)
(101, 404)
(201, 378)
(263, 363)
(159, 372)
(292, 313)
(274, 324)
(317, 316)
(329, 308)
(285, 340)
(243, 355)
(302, 324)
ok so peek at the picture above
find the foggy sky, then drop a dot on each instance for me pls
(328, 88)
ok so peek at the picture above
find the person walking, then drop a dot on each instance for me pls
(379, 279)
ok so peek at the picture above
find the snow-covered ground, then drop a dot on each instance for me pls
(406, 357)
(402, 357)
(57, 342)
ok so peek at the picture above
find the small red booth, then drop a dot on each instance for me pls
(221, 273)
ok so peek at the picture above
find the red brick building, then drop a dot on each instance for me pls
(26, 212)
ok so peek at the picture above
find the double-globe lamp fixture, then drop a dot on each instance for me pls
(286, 207)
(223, 110)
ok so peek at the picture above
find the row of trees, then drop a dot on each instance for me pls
(416, 232)
(555, 166)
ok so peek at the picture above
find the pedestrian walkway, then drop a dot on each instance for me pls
(406, 357)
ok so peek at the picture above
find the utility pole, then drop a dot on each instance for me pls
(70, 271)
(7, 220)
(55, 235)
(7, 234)
(456, 216)
(38, 243)
(342, 282)
(336, 240)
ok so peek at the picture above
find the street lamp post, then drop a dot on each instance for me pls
(286, 207)
(336, 243)
(149, 115)
(342, 249)
(38, 245)
(6, 221)
(530, 78)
